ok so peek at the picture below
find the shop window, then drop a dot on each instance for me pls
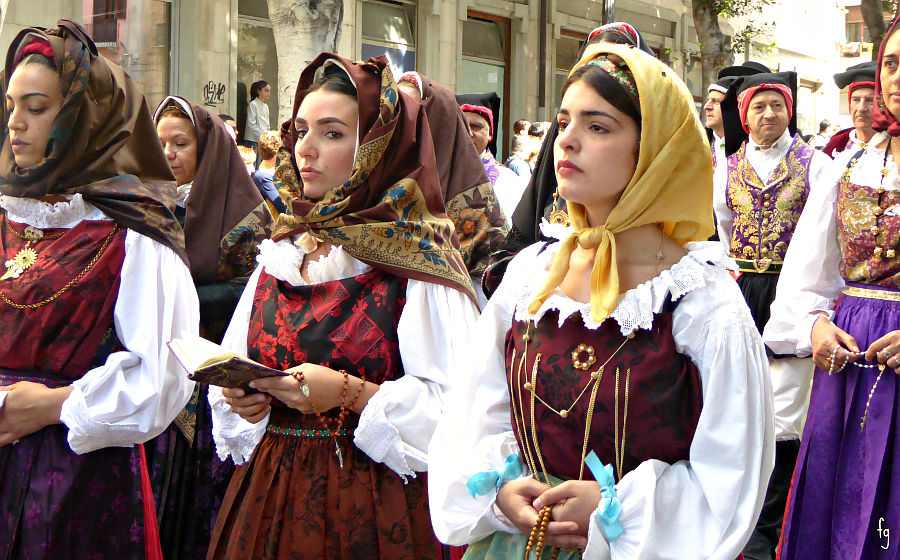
(389, 28)
(136, 35)
(853, 32)
(257, 58)
(568, 47)
(485, 63)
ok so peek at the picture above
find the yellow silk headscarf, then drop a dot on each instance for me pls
(672, 182)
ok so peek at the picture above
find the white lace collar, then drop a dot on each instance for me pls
(638, 305)
(867, 170)
(283, 260)
(44, 215)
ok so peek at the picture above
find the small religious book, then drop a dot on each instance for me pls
(207, 362)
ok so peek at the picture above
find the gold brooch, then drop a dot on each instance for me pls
(576, 357)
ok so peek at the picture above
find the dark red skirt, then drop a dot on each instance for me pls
(293, 500)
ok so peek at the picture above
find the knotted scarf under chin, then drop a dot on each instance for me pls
(604, 273)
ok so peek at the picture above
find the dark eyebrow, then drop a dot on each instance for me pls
(27, 95)
(590, 114)
(325, 120)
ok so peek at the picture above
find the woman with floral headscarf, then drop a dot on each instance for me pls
(839, 300)
(95, 284)
(615, 396)
(358, 296)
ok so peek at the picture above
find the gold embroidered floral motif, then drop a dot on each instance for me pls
(765, 215)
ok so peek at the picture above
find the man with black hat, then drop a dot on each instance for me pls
(860, 83)
(759, 195)
(715, 93)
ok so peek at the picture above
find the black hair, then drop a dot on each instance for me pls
(37, 58)
(608, 88)
(225, 117)
(535, 129)
(256, 87)
(823, 126)
(333, 79)
(610, 36)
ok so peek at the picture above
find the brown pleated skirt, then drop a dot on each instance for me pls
(293, 501)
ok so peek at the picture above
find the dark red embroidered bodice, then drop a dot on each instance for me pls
(64, 336)
(664, 393)
(348, 324)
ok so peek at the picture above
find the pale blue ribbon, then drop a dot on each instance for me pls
(487, 481)
(610, 507)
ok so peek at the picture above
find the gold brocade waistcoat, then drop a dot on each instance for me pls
(765, 214)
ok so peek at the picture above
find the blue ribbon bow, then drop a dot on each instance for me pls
(487, 481)
(610, 507)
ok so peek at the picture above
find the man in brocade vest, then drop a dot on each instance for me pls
(759, 195)
(860, 83)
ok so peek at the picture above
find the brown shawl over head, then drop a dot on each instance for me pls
(468, 196)
(390, 213)
(224, 213)
(103, 143)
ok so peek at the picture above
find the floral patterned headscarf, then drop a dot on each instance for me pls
(103, 144)
(390, 212)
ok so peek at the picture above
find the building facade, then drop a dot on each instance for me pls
(210, 51)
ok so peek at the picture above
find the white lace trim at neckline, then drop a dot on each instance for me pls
(45, 215)
(638, 305)
(867, 170)
(283, 260)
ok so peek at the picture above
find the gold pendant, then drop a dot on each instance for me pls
(337, 451)
(559, 217)
(23, 260)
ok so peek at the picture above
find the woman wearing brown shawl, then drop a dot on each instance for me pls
(468, 196)
(357, 297)
(95, 284)
(224, 220)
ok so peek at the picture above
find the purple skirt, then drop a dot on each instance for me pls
(55, 504)
(845, 494)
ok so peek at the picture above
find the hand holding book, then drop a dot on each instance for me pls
(207, 362)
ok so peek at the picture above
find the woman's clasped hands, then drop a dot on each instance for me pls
(573, 503)
(833, 348)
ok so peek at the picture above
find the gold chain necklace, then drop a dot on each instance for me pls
(536, 538)
(27, 256)
(70, 283)
(595, 378)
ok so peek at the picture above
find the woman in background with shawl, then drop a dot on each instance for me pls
(468, 196)
(95, 284)
(839, 300)
(224, 219)
(359, 296)
(615, 395)
(538, 203)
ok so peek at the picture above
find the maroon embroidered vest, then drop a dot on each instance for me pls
(664, 396)
(856, 218)
(63, 336)
(765, 214)
(348, 324)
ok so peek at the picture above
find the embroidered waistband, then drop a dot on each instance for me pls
(762, 266)
(886, 295)
(307, 433)
(10, 376)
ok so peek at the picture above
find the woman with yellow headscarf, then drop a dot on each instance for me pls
(617, 399)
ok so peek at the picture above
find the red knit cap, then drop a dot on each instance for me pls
(479, 110)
